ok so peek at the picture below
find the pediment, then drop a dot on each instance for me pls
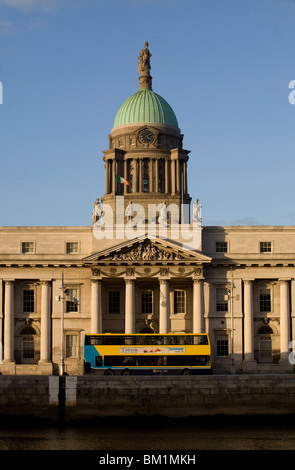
(147, 250)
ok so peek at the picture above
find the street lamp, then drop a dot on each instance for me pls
(231, 296)
(63, 295)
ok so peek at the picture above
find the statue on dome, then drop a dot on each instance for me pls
(144, 65)
(97, 211)
(197, 212)
(163, 214)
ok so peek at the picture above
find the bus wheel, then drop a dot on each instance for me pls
(186, 372)
(109, 372)
(126, 372)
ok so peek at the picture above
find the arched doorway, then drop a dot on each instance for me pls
(265, 344)
(28, 354)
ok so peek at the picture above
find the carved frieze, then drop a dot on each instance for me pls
(146, 252)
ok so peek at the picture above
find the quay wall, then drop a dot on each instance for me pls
(79, 397)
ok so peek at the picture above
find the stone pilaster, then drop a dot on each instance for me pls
(9, 322)
(249, 363)
(285, 331)
(96, 317)
(129, 306)
(164, 307)
(198, 311)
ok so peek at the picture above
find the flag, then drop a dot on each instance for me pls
(119, 179)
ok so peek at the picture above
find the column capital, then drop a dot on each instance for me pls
(284, 281)
(95, 280)
(9, 282)
(248, 281)
(45, 282)
(129, 281)
(198, 280)
(163, 280)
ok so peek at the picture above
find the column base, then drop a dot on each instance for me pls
(249, 366)
(45, 367)
(7, 368)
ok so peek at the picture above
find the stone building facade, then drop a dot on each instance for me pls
(146, 264)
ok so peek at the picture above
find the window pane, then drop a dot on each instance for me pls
(72, 300)
(28, 349)
(179, 301)
(222, 345)
(265, 247)
(221, 300)
(147, 302)
(71, 345)
(28, 301)
(72, 247)
(27, 247)
(114, 302)
(265, 300)
(221, 247)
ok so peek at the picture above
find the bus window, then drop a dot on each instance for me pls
(129, 340)
(184, 340)
(201, 339)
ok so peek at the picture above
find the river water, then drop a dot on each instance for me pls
(156, 434)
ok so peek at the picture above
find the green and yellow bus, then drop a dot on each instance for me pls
(147, 354)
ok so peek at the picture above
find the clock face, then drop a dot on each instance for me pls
(146, 136)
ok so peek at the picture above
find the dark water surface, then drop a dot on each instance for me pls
(224, 433)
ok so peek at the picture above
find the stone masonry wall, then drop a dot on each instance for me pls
(81, 397)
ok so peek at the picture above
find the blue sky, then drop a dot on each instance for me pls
(224, 66)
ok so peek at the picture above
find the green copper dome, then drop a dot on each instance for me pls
(145, 106)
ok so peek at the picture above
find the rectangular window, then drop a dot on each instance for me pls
(146, 302)
(27, 247)
(71, 345)
(28, 349)
(221, 300)
(265, 247)
(264, 300)
(221, 247)
(222, 345)
(114, 302)
(72, 300)
(28, 301)
(179, 301)
(72, 247)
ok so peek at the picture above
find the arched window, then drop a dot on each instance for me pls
(28, 344)
(265, 344)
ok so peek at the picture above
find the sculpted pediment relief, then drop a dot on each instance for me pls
(147, 250)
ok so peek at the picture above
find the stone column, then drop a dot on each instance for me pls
(156, 187)
(284, 320)
(166, 176)
(9, 322)
(198, 313)
(164, 308)
(140, 186)
(96, 318)
(135, 183)
(45, 322)
(248, 321)
(114, 176)
(125, 175)
(107, 177)
(129, 306)
(173, 179)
